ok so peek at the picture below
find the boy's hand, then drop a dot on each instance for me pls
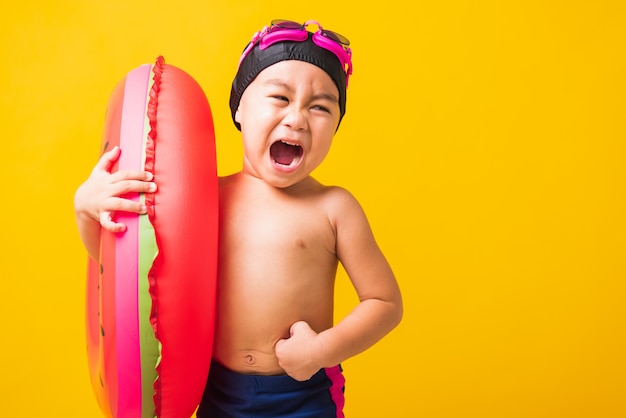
(102, 194)
(297, 354)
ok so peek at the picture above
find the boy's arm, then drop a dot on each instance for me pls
(378, 312)
(101, 195)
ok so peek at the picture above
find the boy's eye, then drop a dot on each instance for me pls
(281, 98)
(322, 108)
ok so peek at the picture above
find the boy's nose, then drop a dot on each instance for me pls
(295, 118)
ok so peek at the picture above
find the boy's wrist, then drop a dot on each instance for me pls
(323, 353)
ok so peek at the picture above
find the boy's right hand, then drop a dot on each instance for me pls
(102, 194)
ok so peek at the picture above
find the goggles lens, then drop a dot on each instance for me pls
(279, 24)
(340, 39)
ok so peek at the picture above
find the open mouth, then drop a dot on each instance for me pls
(286, 154)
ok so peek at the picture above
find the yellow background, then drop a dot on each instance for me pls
(485, 140)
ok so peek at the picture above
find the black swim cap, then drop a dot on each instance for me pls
(257, 60)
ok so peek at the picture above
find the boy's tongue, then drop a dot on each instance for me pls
(284, 153)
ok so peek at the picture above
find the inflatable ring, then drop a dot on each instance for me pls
(151, 298)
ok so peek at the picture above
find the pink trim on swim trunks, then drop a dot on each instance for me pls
(338, 382)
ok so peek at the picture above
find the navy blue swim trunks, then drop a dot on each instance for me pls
(233, 395)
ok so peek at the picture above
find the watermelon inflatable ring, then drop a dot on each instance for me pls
(151, 297)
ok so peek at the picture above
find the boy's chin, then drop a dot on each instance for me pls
(284, 181)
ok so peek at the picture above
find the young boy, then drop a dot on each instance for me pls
(282, 235)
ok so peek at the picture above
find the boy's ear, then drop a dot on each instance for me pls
(237, 116)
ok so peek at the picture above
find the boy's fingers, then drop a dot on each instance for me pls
(298, 326)
(124, 187)
(125, 205)
(120, 205)
(108, 159)
(132, 175)
(106, 221)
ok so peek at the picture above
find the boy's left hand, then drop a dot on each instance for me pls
(296, 354)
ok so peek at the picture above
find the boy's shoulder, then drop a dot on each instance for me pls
(333, 193)
(340, 201)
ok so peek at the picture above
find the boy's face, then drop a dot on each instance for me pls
(288, 116)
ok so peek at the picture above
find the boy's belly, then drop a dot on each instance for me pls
(245, 340)
(249, 361)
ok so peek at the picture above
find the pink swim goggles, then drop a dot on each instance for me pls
(287, 30)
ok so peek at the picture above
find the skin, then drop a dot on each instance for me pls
(282, 235)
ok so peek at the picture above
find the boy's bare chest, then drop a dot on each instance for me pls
(279, 227)
(261, 219)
